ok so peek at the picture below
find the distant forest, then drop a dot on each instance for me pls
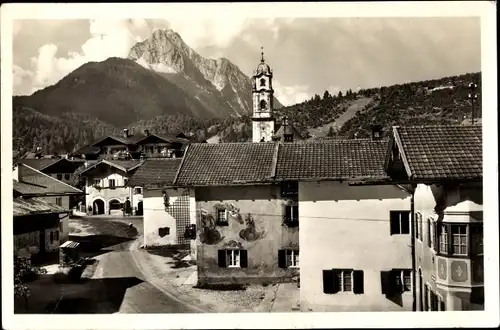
(439, 101)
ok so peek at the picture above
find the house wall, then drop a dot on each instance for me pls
(64, 222)
(106, 194)
(27, 243)
(347, 227)
(180, 213)
(136, 198)
(447, 204)
(261, 241)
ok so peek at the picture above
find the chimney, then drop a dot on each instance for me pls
(125, 133)
(376, 132)
(131, 132)
(146, 132)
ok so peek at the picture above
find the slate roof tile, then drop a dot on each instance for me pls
(29, 175)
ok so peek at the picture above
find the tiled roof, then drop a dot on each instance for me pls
(441, 152)
(155, 173)
(39, 164)
(166, 138)
(52, 186)
(87, 150)
(124, 165)
(30, 206)
(23, 188)
(332, 159)
(226, 163)
(125, 140)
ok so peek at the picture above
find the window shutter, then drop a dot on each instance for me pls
(287, 213)
(329, 281)
(405, 222)
(358, 282)
(243, 259)
(222, 258)
(296, 212)
(385, 282)
(394, 223)
(281, 258)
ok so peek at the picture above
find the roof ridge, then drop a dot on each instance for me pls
(48, 176)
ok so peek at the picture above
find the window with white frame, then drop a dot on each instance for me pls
(233, 258)
(292, 258)
(97, 182)
(137, 191)
(400, 222)
(112, 183)
(459, 239)
(443, 238)
(291, 216)
(221, 216)
(344, 280)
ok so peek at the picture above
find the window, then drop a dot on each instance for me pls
(402, 280)
(59, 176)
(263, 104)
(66, 176)
(97, 182)
(459, 239)
(443, 238)
(51, 237)
(343, 280)
(232, 258)
(418, 227)
(288, 258)
(263, 82)
(59, 201)
(221, 217)
(125, 182)
(400, 222)
(112, 184)
(476, 238)
(289, 188)
(430, 233)
(291, 216)
(137, 191)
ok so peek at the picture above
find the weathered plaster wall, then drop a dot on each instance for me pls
(262, 241)
(157, 216)
(345, 227)
(447, 204)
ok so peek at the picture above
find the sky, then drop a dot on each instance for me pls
(308, 55)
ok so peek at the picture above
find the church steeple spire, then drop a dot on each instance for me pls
(263, 114)
(262, 54)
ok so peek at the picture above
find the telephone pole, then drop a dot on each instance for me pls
(472, 98)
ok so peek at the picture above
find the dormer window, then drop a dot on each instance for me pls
(263, 82)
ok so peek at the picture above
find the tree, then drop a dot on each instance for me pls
(24, 272)
(331, 132)
(340, 94)
(326, 95)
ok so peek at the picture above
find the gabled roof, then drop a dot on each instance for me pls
(332, 160)
(449, 152)
(165, 138)
(87, 150)
(155, 173)
(39, 164)
(31, 206)
(226, 163)
(123, 165)
(30, 181)
(120, 139)
(290, 129)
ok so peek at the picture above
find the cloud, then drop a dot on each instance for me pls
(22, 80)
(289, 95)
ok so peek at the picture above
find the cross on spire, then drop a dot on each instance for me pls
(262, 54)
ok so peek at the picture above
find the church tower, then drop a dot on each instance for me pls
(262, 93)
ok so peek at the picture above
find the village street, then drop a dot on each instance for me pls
(124, 287)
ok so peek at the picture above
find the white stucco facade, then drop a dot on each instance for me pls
(347, 227)
(157, 216)
(99, 189)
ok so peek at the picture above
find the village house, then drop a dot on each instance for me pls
(106, 187)
(61, 168)
(443, 166)
(167, 210)
(133, 146)
(48, 192)
(37, 226)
